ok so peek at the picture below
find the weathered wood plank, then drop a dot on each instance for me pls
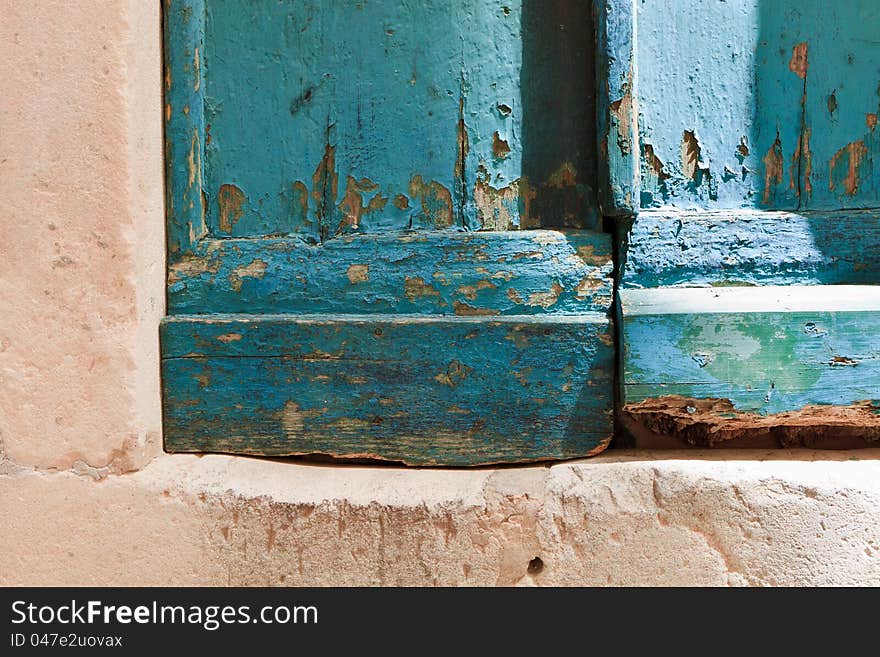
(184, 24)
(720, 362)
(617, 111)
(720, 104)
(554, 120)
(474, 273)
(422, 390)
(751, 248)
(327, 119)
(841, 147)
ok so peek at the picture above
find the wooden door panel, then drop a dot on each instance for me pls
(342, 117)
(798, 364)
(421, 390)
(758, 226)
(363, 200)
(840, 141)
(474, 273)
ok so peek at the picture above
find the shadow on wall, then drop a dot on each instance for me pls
(776, 111)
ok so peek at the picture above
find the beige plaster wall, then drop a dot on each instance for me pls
(87, 497)
(81, 250)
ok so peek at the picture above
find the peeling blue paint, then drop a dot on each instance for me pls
(360, 260)
(427, 391)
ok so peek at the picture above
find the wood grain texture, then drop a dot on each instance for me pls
(617, 114)
(324, 119)
(475, 273)
(333, 164)
(184, 23)
(743, 247)
(422, 390)
(780, 112)
(751, 353)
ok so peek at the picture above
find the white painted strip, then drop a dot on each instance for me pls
(762, 299)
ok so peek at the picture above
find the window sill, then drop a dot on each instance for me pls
(627, 517)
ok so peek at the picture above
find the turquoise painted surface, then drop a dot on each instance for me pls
(842, 103)
(762, 362)
(184, 88)
(329, 118)
(616, 119)
(352, 180)
(699, 79)
(776, 110)
(751, 248)
(477, 273)
(430, 390)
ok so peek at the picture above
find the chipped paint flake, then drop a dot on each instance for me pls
(470, 291)
(435, 200)
(588, 254)
(500, 147)
(358, 273)
(802, 161)
(500, 209)
(622, 111)
(415, 287)
(197, 73)
(466, 310)
(852, 153)
(455, 373)
(190, 266)
(691, 155)
(545, 299)
(352, 205)
(231, 201)
(773, 163)
(798, 63)
(325, 183)
(256, 269)
(588, 285)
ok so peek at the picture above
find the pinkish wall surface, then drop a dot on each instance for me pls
(81, 251)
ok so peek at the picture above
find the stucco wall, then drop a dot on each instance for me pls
(82, 245)
(88, 497)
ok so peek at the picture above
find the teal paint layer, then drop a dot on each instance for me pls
(326, 119)
(779, 112)
(765, 363)
(720, 109)
(840, 166)
(352, 181)
(184, 123)
(557, 90)
(751, 248)
(474, 273)
(423, 390)
(617, 113)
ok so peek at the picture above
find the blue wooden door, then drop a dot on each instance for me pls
(384, 235)
(748, 297)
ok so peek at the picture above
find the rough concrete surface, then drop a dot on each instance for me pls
(81, 250)
(87, 498)
(759, 518)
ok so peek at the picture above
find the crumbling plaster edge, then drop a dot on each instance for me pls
(297, 482)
